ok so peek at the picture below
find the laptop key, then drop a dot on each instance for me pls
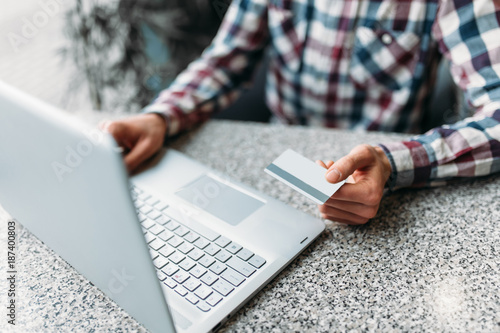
(187, 264)
(201, 243)
(223, 256)
(203, 306)
(166, 250)
(160, 262)
(172, 225)
(209, 278)
(203, 292)
(233, 247)
(212, 249)
(181, 231)
(145, 209)
(213, 299)
(192, 299)
(162, 219)
(161, 276)
(156, 244)
(222, 241)
(240, 266)
(185, 247)
(200, 228)
(181, 290)
(232, 277)
(192, 284)
(175, 241)
(154, 214)
(165, 235)
(149, 237)
(191, 237)
(180, 276)
(196, 254)
(156, 229)
(197, 271)
(223, 287)
(176, 257)
(257, 261)
(245, 254)
(206, 261)
(145, 222)
(170, 283)
(218, 268)
(170, 270)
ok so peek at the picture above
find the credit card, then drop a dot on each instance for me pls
(303, 175)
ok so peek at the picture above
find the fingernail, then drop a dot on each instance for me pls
(333, 176)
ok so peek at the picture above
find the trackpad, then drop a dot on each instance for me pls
(220, 199)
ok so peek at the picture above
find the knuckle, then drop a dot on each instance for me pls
(373, 197)
(114, 126)
(371, 212)
(322, 209)
(364, 149)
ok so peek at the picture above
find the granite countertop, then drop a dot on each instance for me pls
(428, 262)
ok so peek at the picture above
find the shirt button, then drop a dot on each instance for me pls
(386, 39)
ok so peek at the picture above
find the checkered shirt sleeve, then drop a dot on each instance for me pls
(468, 33)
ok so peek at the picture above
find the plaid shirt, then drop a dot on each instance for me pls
(358, 65)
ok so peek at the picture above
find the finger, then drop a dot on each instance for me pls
(359, 157)
(335, 214)
(116, 129)
(139, 153)
(347, 222)
(359, 209)
(360, 192)
(321, 164)
(326, 165)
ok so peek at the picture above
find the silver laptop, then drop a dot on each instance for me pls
(180, 247)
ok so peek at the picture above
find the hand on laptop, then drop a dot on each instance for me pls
(357, 202)
(141, 136)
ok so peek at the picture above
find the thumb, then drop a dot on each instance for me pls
(119, 132)
(358, 158)
(143, 150)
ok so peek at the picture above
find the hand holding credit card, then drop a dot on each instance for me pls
(303, 175)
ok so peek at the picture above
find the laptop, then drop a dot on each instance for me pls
(179, 246)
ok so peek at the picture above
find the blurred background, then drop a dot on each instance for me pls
(111, 55)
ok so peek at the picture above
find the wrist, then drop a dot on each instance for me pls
(160, 121)
(385, 163)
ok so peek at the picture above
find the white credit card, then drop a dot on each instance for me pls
(303, 175)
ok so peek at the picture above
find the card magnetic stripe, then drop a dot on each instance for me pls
(298, 183)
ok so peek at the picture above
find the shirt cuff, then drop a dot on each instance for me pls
(409, 162)
(170, 114)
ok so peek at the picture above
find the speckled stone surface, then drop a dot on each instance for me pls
(428, 262)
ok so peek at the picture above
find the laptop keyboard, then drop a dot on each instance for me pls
(203, 267)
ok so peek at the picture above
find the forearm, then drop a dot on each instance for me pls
(469, 148)
(211, 82)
